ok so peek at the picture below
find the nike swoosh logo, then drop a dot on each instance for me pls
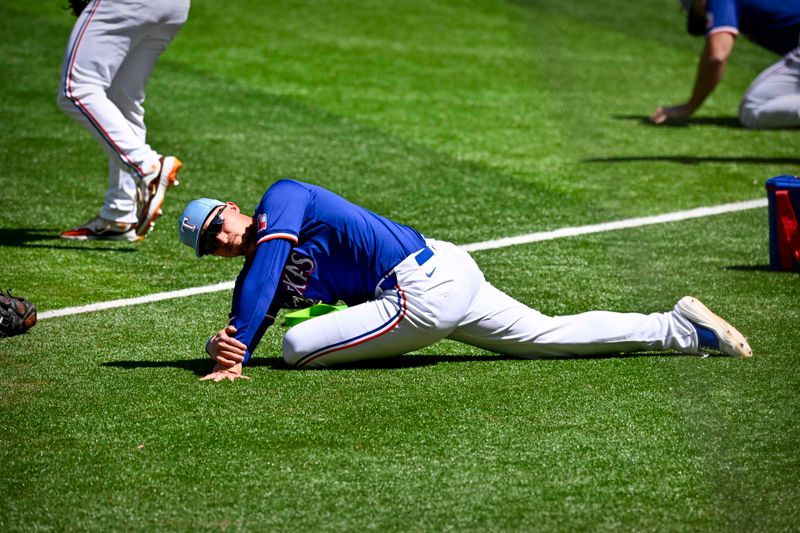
(429, 274)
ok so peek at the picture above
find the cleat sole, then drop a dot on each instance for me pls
(157, 191)
(731, 341)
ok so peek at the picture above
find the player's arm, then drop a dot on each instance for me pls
(710, 70)
(225, 348)
(254, 305)
(279, 219)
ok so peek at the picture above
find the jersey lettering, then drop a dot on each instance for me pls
(296, 272)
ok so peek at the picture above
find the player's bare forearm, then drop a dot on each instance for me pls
(711, 67)
(710, 70)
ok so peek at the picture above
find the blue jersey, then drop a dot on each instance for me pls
(316, 245)
(773, 24)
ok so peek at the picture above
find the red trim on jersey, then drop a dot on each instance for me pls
(727, 29)
(286, 236)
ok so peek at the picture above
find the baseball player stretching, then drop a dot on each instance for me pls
(112, 50)
(404, 291)
(773, 99)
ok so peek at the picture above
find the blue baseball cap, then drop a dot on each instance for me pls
(191, 222)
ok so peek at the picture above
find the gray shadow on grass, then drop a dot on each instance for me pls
(720, 122)
(48, 238)
(201, 367)
(755, 268)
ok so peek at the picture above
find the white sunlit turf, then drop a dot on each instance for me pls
(731, 341)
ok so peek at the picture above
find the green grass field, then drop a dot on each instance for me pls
(471, 121)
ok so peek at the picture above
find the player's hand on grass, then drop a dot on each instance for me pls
(225, 349)
(672, 114)
(222, 373)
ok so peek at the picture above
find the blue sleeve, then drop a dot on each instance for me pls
(282, 210)
(279, 219)
(722, 15)
(254, 303)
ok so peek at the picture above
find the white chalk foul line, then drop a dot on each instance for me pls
(473, 247)
(619, 224)
(150, 298)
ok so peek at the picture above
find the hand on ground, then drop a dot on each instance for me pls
(222, 373)
(671, 114)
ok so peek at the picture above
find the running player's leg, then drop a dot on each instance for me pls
(127, 93)
(773, 99)
(127, 90)
(100, 42)
(499, 323)
(120, 201)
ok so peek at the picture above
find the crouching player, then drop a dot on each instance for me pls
(404, 291)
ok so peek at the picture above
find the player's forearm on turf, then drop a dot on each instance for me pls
(711, 67)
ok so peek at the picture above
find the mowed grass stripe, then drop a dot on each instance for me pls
(486, 245)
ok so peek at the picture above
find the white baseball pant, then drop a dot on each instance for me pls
(773, 99)
(111, 52)
(447, 296)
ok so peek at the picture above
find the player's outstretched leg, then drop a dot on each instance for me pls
(499, 323)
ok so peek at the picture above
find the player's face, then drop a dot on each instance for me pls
(228, 233)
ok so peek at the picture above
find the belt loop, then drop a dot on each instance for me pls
(388, 282)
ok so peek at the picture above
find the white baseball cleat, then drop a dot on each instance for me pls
(103, 230)
(712, 331)
(152, 190)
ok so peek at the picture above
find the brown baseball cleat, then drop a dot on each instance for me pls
(152, 190)
(101, 229)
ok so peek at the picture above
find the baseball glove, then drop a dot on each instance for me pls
(298, 302)
(77, 6)
(17, 315)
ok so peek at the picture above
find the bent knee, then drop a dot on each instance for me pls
(71, 92)
(749, 116)
(771, 117)
(295, 346)
(68, 100)
(63, 102)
